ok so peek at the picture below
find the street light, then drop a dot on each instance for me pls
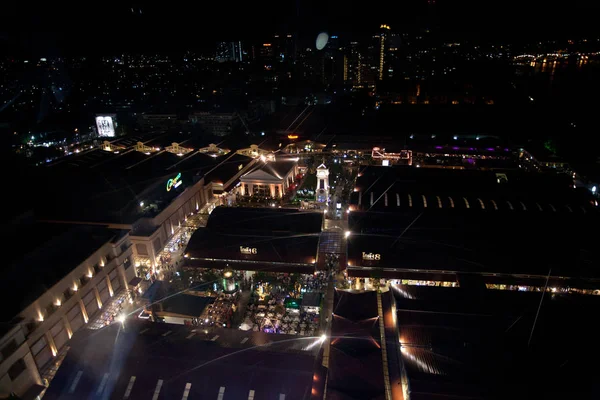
(346, 234)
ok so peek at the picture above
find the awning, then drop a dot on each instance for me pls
(311, 299)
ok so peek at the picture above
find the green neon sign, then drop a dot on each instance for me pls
(174, 182)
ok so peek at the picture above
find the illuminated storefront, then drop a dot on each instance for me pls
(554, 289)
(270, 179)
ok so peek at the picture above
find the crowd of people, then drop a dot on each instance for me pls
(272, 316)
(220, 312)
(275, 305)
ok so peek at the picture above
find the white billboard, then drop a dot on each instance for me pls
(105, 126)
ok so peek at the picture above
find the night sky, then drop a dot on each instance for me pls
(105, 27)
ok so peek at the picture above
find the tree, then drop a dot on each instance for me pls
(279, 309)
(550, 145)
(142, 271)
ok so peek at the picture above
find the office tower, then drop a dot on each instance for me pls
(229, 51)
(333, 62)
(284, 47)
(383, 35)
(265, 52)
(392, 61)
(353, 65)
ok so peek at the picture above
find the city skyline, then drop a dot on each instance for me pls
(175, 27)
(300, 200)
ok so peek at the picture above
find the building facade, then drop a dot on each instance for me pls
(40, 332)
(270, 179)
(219, 124)
(229, 51)
(150, 235)
(383, 45)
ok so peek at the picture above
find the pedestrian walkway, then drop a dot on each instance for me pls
(326, 313)
(242, 303)
(49, 370)
(105, 316)
(110, 310)
(384, 360)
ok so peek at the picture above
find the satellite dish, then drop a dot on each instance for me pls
(322, 40)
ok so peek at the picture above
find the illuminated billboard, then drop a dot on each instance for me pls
(105, 125)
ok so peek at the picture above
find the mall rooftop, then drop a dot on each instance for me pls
(502, 247)
(146, 358)
(273, 239)
(397, 188)
(111, 186)
(355, 356)
(456, 343)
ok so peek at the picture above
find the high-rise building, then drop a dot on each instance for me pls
(284, 47)
(370, 61)
(266, 52)
(333, 45)
(383, 35)
(229, 51)
(392, 61)
(333, 68)
(353, 65)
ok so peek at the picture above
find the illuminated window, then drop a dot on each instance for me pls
(261, 190)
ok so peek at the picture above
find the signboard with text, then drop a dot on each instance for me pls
(371, 256)
(105, 125)
(248, 250)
